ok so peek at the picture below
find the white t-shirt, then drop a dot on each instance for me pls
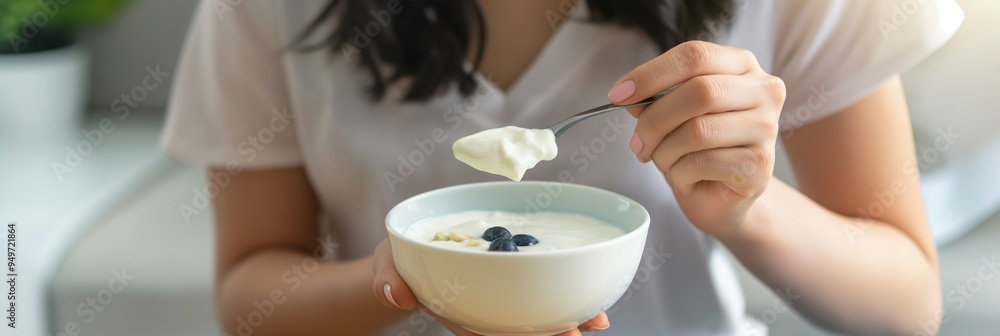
(241, 100)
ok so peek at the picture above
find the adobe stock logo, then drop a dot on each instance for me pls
(960, 295)
(380, 20)
(224, 7)
(89, 308)
(899, 17)
(94, 137)
(31, 27)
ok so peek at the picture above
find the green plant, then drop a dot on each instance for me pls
(34, 25)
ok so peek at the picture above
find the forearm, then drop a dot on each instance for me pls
(308, 297)
(849, 274)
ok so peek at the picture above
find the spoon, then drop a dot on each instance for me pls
(562, 126)
(510, 151)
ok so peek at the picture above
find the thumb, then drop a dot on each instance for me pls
(389, 287)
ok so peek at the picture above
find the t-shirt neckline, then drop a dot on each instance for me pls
(542, 59)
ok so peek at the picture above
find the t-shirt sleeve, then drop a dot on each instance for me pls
(229, 102)
(832, 53)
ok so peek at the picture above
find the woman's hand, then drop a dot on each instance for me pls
(713, 137)
(391, 291)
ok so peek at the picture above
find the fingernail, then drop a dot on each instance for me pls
(597, 328)
(387, 289)
(622, 91)
(635, 144)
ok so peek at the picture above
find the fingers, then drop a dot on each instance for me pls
(598, 323)
(451, 326)
(636, 111)
(683, 62)
(714, 130)
(389, 287)
(736, 167)
(696, 97)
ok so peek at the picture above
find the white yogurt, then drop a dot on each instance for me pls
(507, 151)
(554, 230)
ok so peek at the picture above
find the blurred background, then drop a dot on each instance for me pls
(94, 201)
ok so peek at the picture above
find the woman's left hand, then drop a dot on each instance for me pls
(598, 323)
(713, 137)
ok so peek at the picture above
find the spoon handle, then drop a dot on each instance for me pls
(562, 126)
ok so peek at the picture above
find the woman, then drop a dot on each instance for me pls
(315, 118)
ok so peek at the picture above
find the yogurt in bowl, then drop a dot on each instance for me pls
(536, 291)
(551, 230)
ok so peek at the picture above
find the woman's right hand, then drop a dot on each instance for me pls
(392, 291)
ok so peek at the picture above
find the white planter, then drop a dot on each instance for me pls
(43, 92)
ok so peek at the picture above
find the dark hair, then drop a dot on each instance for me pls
(428, 39)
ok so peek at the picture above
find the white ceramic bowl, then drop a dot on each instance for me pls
(537, 293)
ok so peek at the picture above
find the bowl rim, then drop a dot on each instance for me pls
(642, 229)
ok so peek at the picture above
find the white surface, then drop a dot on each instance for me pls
(51, 210)
(170, 258)
(43, 90)
(962, 194)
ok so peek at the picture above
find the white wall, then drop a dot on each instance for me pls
(149, 32)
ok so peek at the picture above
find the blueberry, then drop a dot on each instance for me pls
(524, 240)
(503, 244)
(495, 232)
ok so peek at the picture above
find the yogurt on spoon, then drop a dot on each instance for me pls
(510, 151)
(507, 151)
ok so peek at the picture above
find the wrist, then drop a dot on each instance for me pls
(750, 229)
